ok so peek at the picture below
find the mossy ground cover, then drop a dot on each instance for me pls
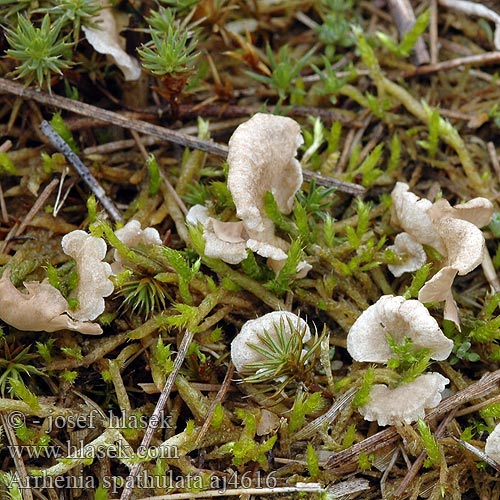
(375, 108)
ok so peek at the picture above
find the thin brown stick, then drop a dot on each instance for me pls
(433, 32)
(389, 436)
(221, 394)
(143, 127)
(155, 419)
(37, 206)
(475, 60)
(494, 158)
(3, 206)
(22, 475)
(417, 465)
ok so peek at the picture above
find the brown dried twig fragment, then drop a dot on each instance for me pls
(143, 127)
(475, 60)
(155, 419)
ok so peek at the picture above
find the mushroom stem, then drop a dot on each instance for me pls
(489, 271)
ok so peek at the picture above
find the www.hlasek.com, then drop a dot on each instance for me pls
(93, 420)
(170, 481)
(85, 451)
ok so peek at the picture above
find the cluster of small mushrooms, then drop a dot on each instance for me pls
(262, 158)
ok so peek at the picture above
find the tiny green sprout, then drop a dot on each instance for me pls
(329, 231)
(19, 390)
(432, 144)
(45, 349)
(349, 437)
(491, 411)
(410, 38)
(254, 269)
(461, 351)
(73, 352)
(101, 493)
(312, 461)
(486, 331)
(217, 416)
(407, 360)
(331, 85)
(312, 142)
(285, 69)
(63, 130)
(14, 363)
(170, 50)
(154, 175)
(38, 51)
(69, 376)
(467, 434)
(92, 208)
(53, 276)
(304, 405)
(317, 200)
(282, 282)
(23, 432)
(363, 395)
(75, 12)
(197, 193)
(395, 154)
(355, 236)
(274, 213)
(418, 281)
(184, 270)
(12, 483)
(430, 444)
(335, 31)
(365, 461)
(6, 164)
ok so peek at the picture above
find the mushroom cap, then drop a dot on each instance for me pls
(492, 446)
(463, 242)
(104, 36)
(438, 289)
(242, 354)
(406, 403)
(261, 158)
(439, 286)
(132, 235)
(477, 211)
(197, 214)
(412, 253)
(224, 244)
(411, 213)
(41, 309)
(400, 318)
(93, 274)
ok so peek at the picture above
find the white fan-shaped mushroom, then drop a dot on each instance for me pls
(399, 318)
(261, 158)
(43, 308)
(406, 403)
(411, 253)
(492, 447)
(411, 213)
(93, 274)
